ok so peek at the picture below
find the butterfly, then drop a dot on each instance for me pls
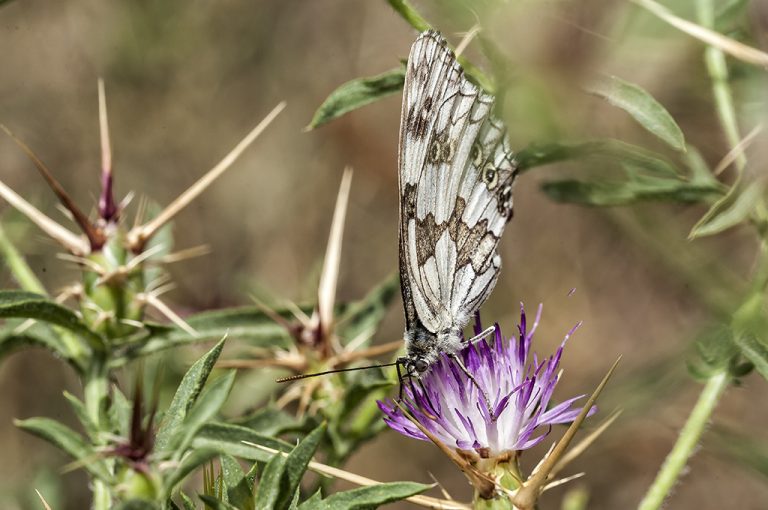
(456, 172)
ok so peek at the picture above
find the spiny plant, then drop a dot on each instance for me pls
(144, 458)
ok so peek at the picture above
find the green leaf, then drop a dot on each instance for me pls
(188, 464)
(363, 317)
(67, 440)
(270, 421)
(245, 323)
(37, 335)
(296, 464)
(283, 474)
(20, 304)
(367, 497)
(231, 440)
(732, 209)
(120, 412)
(82, 414)
(755, 351)
(357, 93)
(538, 154)
(136, 504)
(269, 490)
(239, 488)
(186, 395)
(622, 193)
(409, 14)
(215, 504)
(187, 501)
(206, 407)
(648, 112)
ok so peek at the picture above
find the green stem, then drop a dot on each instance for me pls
(95, 396)
(718, 73)
(686, 444)
(19, 268)
(102, 497)
(27, 280)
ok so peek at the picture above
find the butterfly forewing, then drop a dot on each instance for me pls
(456, 176)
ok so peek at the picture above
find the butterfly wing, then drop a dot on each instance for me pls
(456, 176)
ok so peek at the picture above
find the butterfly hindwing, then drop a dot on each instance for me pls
(456, 175)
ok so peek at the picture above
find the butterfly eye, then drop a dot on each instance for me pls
(420, 365)
(490, 176)
(476, 154)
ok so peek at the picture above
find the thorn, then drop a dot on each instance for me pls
(189, 253)
(527, 495)
(585, 443)
(94, 235)
(42, 499)
(69, 240)
(164, 309)
(467, 39)
(737, 151)
(140, 234)
(108, 211)
(326, 293)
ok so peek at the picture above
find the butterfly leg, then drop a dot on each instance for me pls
(487, 401)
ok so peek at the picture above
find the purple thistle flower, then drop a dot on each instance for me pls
(519, 390)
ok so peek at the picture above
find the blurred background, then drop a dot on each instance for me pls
(186, 80)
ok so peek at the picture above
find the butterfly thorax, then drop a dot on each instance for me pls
(423, 347)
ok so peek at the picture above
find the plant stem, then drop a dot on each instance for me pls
(717, 68)
(19, 268)
(95, 396)
(27, 280)
(686, 444)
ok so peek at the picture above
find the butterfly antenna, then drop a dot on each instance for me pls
(334, 371)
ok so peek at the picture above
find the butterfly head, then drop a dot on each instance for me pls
(423, 348)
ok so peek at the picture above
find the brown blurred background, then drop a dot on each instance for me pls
(187, 79)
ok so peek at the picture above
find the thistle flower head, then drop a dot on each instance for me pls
(517, 415)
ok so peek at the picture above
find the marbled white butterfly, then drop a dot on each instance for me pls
(456, 172)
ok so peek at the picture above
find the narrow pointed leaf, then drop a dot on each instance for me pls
(37, 336)
(358, 93)
(637, 102)
(602, 193)
(270, 485)
(67, 440)
(367, 497)
(731, 210)
(231, 440)
(205, 408)
(755, 351)
(539, 154)
(239, 488)
(283, 473)
(296, 462)
(186, 395)
(216, 504)
(15, 303)
(244, 323)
